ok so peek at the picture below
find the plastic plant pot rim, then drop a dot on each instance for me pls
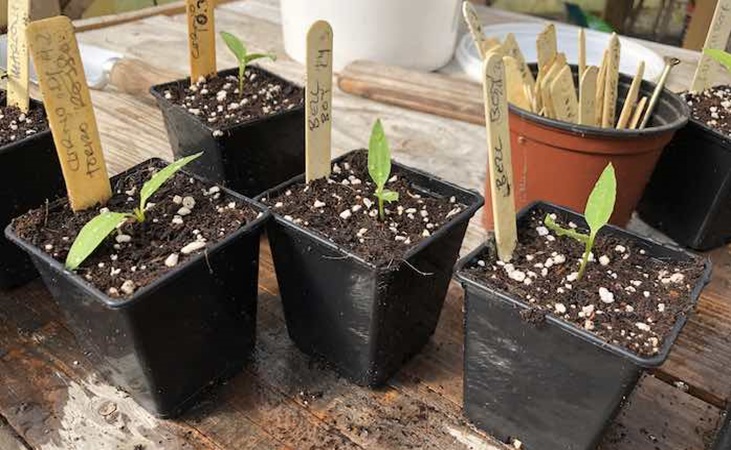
(170, 275)
(646, 362)
(10, 146)
(610, 133)
(462, 215)
(157, 90)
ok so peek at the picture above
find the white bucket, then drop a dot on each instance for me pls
(416, 34)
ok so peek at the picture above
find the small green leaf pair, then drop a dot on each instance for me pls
(598, 210)
(379, 166)
(97, 229)
(720, 56)
(238, 48)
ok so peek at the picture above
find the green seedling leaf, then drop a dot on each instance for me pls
(379, 165)
(157, 180)
(561, 231)
(91, 235)
(600, 205)
(720, 56)
(238, 48)
(255, 56)
(235, 45)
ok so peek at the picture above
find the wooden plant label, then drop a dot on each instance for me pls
(631, 100)
(582, 53)
(516, 88)
(201, 38)
(498, 148)
(70, 114)
(717, 37)
(637, 115)
(318, 100)
(563, 95)
(600, 85)
(559, 62)
(546, 46)
(587, 97)
(512, 49)
(475, 26)
(17, 47)
(611, 79)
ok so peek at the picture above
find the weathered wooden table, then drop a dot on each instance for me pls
(51, 398)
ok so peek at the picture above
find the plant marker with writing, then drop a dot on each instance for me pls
(717, 38)
(201, 39)
(17, 63)
(475, 26)
(546, 47)
(516, 88)
(498, 149)
(631, 100)
(318, 101)
(563, 96)
(587, 96)
(70, 114)
(600, 85)
(611, 79)
(511, 48)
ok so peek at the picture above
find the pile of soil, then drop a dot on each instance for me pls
(343, 209)
(183, 219)
(217, 103)
(712, 107)
(626, 297)
(16, 125)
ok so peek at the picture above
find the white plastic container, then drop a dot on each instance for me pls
(416, 34)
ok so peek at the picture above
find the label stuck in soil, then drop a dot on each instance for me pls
(17, 46)
(201, 39)
(70, 114)
(475, 27)
(717, 37)
(318, 101)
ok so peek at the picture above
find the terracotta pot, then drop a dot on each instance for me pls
(559, 162)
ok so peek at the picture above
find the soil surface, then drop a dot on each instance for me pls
(712, 107)
(15, 125)
(344, 210)
(218, 104)
(183, 218)
(626, 297)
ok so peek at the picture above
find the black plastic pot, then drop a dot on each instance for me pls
(723, 438)
(173, 338)
(364, 319)
(29, 175)
(551, 385)
(248, 158)
(689, 194)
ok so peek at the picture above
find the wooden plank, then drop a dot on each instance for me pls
(9, 438)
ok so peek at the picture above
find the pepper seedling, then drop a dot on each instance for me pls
(238, 48)
(97, 229)
(599, 208)
(720, 56)
(379, 166)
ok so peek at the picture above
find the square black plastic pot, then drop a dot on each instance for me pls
(723, 438)
(689, 194)
(186, 330)
(29, 175)
(248, 158)
(363, 319)
(553, 386)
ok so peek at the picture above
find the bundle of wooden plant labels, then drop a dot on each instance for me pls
(553, 92)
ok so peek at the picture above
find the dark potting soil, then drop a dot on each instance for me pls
(625, 297)
(184, 217)
(343, 209)
(712, 107)
(217, 102)
(16, 125)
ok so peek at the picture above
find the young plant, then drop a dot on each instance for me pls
(379, 166)
(720, 56)
(97, 229)
(598, 210)
(239, 50)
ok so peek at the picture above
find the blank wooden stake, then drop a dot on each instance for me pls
(17, 47)
(559, 62)
(587, 97)
(563, 95)
(201, 38)
(717, 37)
(70, 114)
(546, 46)
(582, 52)
(318, 101)
(511, 48)
(637, 115)
(514, 79)
(498, 149)
(611, 80)
(631, 100)
(475, 27)
(600, 85)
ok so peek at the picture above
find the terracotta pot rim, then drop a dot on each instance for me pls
(612, 133)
